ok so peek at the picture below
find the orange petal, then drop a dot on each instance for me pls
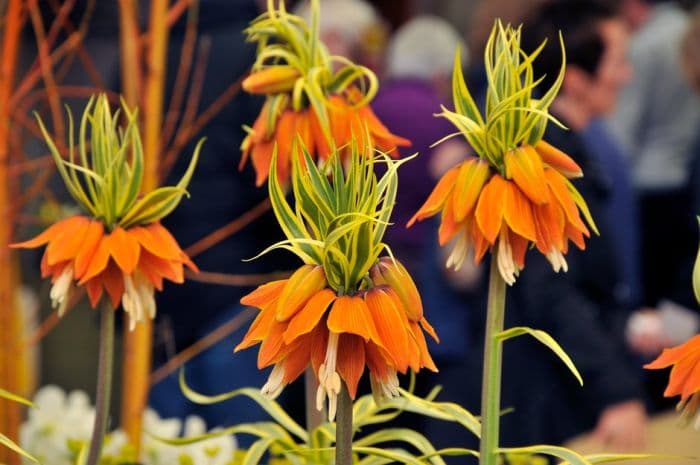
(284, 136)
(264, 294)
(396, 276)
(113, 282)
(557, 186)
(351, 315)
(524, 166)
(558, 160)
(68, 241)
(692, 383)
(319, 342)
(123, 248)
(309, 316)
(428, 328)
(674, 354)
(490, 209)
(518, 245)
(157, 240)
(550, 224)
(98, 261)
(262, 158)
(377, 361)
(259, 328)
(426, 361)
(94, 291)
(296, 361)
(481, 245)
(448, 226)
(351, 361)
(91, 241)
(272, 348)
(472, 176)
(271, 80)
(517, 211)
(45, 236)
(391, 323)
(301, 286)
(680, 374)
(437, 198)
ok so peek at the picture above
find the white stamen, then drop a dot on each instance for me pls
(556, 258)
(328, 378)
(138, 299)
(61, 290)
(504, 259)
(459, 252)
(384, 389)
(275, 383)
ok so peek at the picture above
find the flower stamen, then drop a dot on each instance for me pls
(328, 378)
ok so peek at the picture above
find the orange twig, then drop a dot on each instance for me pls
(177, 10)
(201, 345)
(238, 280)
(183, 72)
(46, 68)
(225, 231)
(185, 134)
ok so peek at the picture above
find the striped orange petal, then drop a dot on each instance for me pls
(437, 198)
(68, 240)
(259, 329)
(472, 176)
(518, 245)
(350, 314)
(263, 295)
(550, 222)
(392, 273)
(113, 281)
(157, 240)
(153, 268)
(448, 226)
(351, 361)
(490, 208)
(558, 160)
(91, 241)
(296, 362)
(558, 187)
(524, 166)
(94, 291)
(517, 211)
(301, 286)
(391, 323)
(426, 361)
(123, 248)
(273, 348)
(309, 316)
(98, 261)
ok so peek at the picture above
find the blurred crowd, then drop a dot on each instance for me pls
(630, 99)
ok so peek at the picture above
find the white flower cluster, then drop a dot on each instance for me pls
(61, 425)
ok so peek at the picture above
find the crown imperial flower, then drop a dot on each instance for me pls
(322, 98)
(346, 308)
(516, 191)
(118, 246)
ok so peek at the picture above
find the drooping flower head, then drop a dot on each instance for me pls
(517, 190)
(118, 245)
(685, 377)
(346, 307)
(323, 98)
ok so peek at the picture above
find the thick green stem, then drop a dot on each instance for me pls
(491, 381)
(104, 383)
(343, 428)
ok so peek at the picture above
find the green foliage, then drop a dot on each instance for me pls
(338, 221)
(513, 116)
(285, 438)
(107, 182)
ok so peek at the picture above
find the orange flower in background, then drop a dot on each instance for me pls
(282, 128)
(322, 99)
(516, 192)
(118, 248)
(127, 264)
(303, 322)
(685, 377)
